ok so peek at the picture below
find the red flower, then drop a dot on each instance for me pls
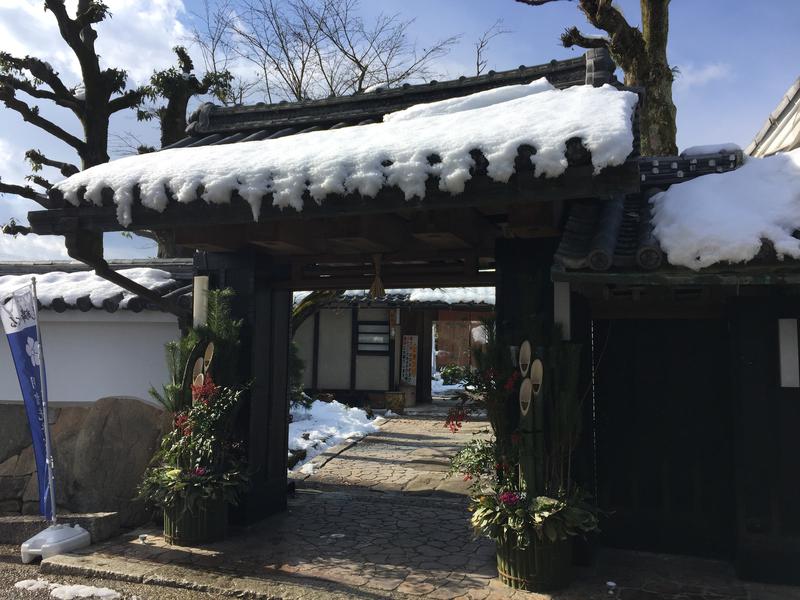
(510, 498)
(199, 471)
(455, 418)
(182, 423)
(205, 392)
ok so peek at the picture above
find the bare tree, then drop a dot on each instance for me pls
(99, 94)
(214, 39)
(482, 44)
(642, 55)
(305, 49)
(379, 53)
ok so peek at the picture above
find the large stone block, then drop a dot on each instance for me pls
(12, 488)
(100, 453)
(14, 432)
(114, 445)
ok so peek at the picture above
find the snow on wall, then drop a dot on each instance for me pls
(724, 217)
(71, 286)
(366, 158)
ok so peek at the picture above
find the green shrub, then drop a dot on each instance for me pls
(453, 374)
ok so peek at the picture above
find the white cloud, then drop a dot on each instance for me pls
(692, 76)
(138, 36)
(32, 247)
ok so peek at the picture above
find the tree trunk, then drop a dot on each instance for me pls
(658, 126)
(95, 128)
(173, 118)
(167, 248)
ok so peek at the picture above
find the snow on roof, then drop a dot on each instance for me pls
(71, 286)
(728, 148)
(463, 295)
(725, 217)
(365, 158)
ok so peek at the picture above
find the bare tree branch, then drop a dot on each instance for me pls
(573, 37)
(40, 181)
(26, 191)
(130, 99)
(535, 2)
(31, 115)
(42, 71)
(482, 44)
(37, 159)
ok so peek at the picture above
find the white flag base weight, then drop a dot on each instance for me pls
(56, 539)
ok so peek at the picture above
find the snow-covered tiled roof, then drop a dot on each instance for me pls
(431, 140)
(458, 296)
(750, 213)
(726, 218)
(75, 287)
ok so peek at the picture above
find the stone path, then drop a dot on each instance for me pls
(409, 454)
(378, 520)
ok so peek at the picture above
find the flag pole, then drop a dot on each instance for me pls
(45, 410)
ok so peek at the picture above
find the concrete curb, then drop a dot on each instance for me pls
(17, 529)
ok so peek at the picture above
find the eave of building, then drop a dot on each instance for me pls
(781, 131)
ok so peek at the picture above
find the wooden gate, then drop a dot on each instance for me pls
(664, 435)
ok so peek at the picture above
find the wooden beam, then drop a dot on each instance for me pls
(369, 233)
(406, 280)
(289, 237)
(453, 229)
(221, 238)
(523, 188)
(675, 276)
(529, 221)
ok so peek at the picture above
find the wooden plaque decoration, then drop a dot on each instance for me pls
(524, 358)
(198, 368)
(525, 396)
(537, 373)
(208, 356)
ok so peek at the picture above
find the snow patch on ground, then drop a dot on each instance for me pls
(324, 425)
(439, 388)
(366, 158)
(724, 217)
(72, 286)
(67, 592)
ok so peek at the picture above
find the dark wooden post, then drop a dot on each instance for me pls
(524, 305)
(524, 290)
(263, 423)
(424, 351)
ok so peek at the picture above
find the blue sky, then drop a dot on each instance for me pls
(736, 59)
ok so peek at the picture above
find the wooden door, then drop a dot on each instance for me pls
(664, 435)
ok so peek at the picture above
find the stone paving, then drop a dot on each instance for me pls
(409, 454)
(378, 520)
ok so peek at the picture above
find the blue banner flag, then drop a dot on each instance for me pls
(19, 313)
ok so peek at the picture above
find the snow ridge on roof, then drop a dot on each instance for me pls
(72, 286)
(366, 158)
(459, 295)
(726, 217)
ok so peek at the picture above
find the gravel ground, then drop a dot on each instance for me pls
(12, 570)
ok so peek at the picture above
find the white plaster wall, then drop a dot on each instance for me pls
(97, 354)
(304, 338)
(372, 373)
(335, 342)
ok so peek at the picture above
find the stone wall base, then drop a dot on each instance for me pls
(100, 452)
